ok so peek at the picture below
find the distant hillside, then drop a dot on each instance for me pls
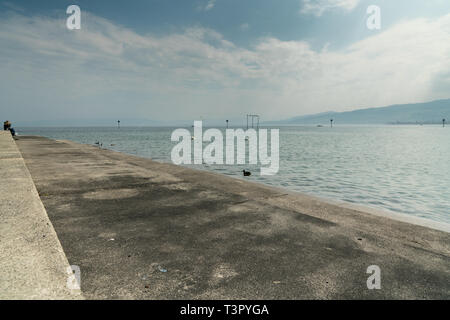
(426, 113)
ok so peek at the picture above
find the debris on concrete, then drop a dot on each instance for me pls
(161, 269)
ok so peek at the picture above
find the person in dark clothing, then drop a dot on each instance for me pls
(6, 125)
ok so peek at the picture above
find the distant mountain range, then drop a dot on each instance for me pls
(423, 113)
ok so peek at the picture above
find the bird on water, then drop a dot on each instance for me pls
(246, 173)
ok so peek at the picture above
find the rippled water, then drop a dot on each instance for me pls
(400, 168)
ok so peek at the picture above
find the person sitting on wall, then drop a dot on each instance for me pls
(6, 125)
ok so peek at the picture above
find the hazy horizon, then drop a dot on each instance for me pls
(430, 116)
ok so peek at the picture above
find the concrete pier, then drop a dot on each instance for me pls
(32, 262)
(139, 229)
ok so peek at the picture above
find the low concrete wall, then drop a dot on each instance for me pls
(32, 262)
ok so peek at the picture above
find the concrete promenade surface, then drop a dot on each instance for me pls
(32, 261)
(139, 229)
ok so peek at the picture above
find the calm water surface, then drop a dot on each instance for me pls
(405, 169)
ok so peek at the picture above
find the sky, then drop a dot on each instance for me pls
(166, 60)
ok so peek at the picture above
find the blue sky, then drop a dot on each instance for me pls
(244, 21)
(179, 60)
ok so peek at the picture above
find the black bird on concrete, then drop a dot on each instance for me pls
(246, 173)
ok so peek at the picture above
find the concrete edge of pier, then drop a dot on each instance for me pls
(363, 209)
(33, 264)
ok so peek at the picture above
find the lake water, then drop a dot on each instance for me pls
(405, 169)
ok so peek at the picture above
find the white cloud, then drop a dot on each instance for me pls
(107, 69)
(208, 6)
(318, 7)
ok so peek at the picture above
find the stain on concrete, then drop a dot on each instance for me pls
(111, 194)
